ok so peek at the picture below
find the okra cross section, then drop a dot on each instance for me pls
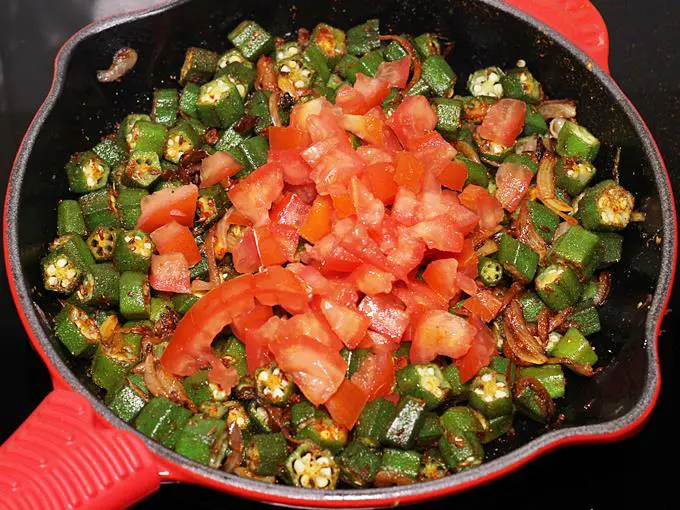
(312, 467)
(425, 382)
(60, 272)
(490, 394)
(133, 250)
(273, 385)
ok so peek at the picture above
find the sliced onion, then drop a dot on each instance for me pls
(162, 383)
(558, 108)
(580, 368)
(490, 246)
(543, 325)
(213, 273)
(556, 126)
(123, 61)
(539, 390)
(604, 285)
(235, 458)
(199, 286)
(467, 150)
(526, 232)
(560, 230)
(559, 318)
(528, 144)
(273, 104)
(520, 344)
(545, 184)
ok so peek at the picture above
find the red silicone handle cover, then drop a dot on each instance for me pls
(577, 20)
(59, 458)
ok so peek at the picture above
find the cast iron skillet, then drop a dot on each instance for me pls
(73, 452)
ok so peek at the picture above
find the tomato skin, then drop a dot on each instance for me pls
(277, 285)
(395, 73)
(290, 209)
(258, 342)
(351, 101)
(466, 283)
(217, 167)
(370, 211)
(170, 273)
(316, 282)
(342, 292)
(251, 320)
(376, 375)
(166, 205)
(433, 151)
(245, 255)
(413, 118)
(440, 275)
(175, 238)
(503, 122)
(367, 128)
(343, 205)
(349, 325)
(346, 404)
(316, 369)
(387, 315)
(440, 233)
(484, 304)
(408, 171)
(315, 152)
(407, 254)
(324, 125)
(300, 114)
(419, 297)
(254, 195)
(513, 181)
(478, 200)
(453, 175)
(295, 169)
(361, 245)
(374, 90)
(439, 332)
(371, 280)
(225, 377)
(311, 325)
(319, 220)
(482, 350)
(341, 260)
(288, 138)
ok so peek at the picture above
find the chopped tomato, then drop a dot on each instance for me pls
(503, 122)
(479, 355)
(313, 154)
(479, 200)
(371, 154)
(306, 192)
(405, 206)
(319, 220)
(360, 244)
(466, 283)
(440, 233)
(254, 195)
(258, 341)
(413, 118)
(334, 170)
(217, 167)
(395, 73)
(367, 128)
(351, 101)
(316, 369)
(440, 275)
(175, 238)
(346, 404)
(166, 205)
(299, 114)
(251, 320)
(371, 280)
(276, 244)
(433, 151)
(407, 254)
(279, 286)
(288, 138)
(323, 126)
(484, 304)
(316, 282)
(370, 211)
(440, 333)
(453, 175)
(375, 376)
(465, 220)
(342, 292)
(387, 315)
(343, 205)
(419, 297)
(295, 169)
(170, 273)
(233, 217)
(409, 171)
(374, 90)
(311, 325)
(290, 209)
(341, 260)
(245, 255)
(376, 342)
(513, 181)
(349, 325)
(225, 377)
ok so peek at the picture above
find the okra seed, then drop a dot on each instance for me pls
(321, 482)
(323, 461)
(52, 280)
(479, 391)
(298, 466)
(300, 84)
(263, 376)
(304, 480)
(61, 262)
(51, 270)
(71, 273)
(326, 471)
(487, 378)
(285, 69)
(488, 398)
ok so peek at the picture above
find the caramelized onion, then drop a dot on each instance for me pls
(520, 345)
(273, 104)
(545, 183)
(528, 144)
(235, 458)
(526, 232)
(213, 273)
(488, 247)
(123, 61)
(265, 74)
(162, 383)
(557, 108)
(580, 368)
(559, 318)
(604, 285)
(542, 394)
(543, 325)
(466, 150)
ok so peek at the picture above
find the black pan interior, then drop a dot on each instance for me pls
(482, 34)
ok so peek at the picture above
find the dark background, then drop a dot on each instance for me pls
(644, 60)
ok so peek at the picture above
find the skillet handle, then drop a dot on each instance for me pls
(59, 458)
(577, 20)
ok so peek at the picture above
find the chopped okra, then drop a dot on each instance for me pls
(486, 82)
(312, 467)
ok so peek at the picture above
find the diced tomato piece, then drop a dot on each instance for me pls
(370, 211)
(288, 138)
(306, 192)
(277, 285)
(323, 126)
(335, 169)
(419, 297)
(311, 325)
(466, 220)
(453, 175)
(343, 205)
(466, 283)
(346, 404)
(351, 101)
(233, 217)
(503, 122)
(254, 195)
(340, 260)
(289, 210)
(217, 167)
(319, 220)
(482, 350)
(395, 73)
(314, 153)
(225, 377)
(170, 273)
(372, 154)
(276, 244)
(376, 342)
(301, 111)
(349, 325)
(407, 254)
(440, 333)
(371, 280)
(440, 275)
(258, 341)
(413, 118)
(295, 169)
(433, 151)
(408, 171)
(367, 128)
(387, 315)
(316, 369)
(376, 374)
(405, 207)
(342, 292)
(440, 233)
(175, 238)
(360, 244)
(316, 282)
(251, 320)
(467, 256)
(374, 90)
(512, 180)
(484, 304)
(480, 201)
(245, 255)
(166, 205)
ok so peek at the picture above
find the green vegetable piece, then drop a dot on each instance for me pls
(159, 308)
(355, 358)
(610, 249)
(420, 88)
(162, 421)
(273, 386)
(432, 466)
(430, 431)
(183, 302)
(111, 363)
(545, 221)
(486, 82)
(477, 173)
(558, 286)
(147, 136)
(258, 415)
(605, 207)
(165, 105)
(101, 243)
(394, 51)
(517, 258)
(490, 271)
(200, 390)
(531, 306)
(211, 205)
(76, 330)
(230, 57)
(75, 249)
(133, 251)
(330, 41)
(401, 431)
(128, 398)
(578, 249)
(359, 464)
(490, 394)
(504, 366)
(61, 273)
(369, 63)
(461, 450)
(534, 122)
(397, 467)
(301, 412)
(316, 60)
(452, 376)
(325, 432)
(574, 346)
(374, 421)
(129, 206)
(575, 141)
(258, 106)
(135, 294)
(550, 376)
(266, 453)
(99, 209)
(312, 467)
(70, 219)
(489, 150)
(187, 100)
(142, 170)
(520, 84)
(125, 128)
(497, 427)
(522, 159)
(462, 418)
(449, 112)
(251, 40)
(424, 382)
(364, 38)
(241, 75)
(573, 175)
(476, 108)
(427, 45)
(181, 138)
(232, 352)
(587, 321)
(439, 76)
(199, 437)
(198, 67)
(111, 152)
(219, 103)
(348, 67)
(255, 150)
(86, 172)
(531, 403)
(99, 286)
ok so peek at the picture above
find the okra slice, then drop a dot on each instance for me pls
(111, 152)
(574, 346)
(198, 67)
(575, 141)
(461, 450)
(527, 159)
(114, 359)
(394, 51)
(504, 366)
(219, 103)
(325, 432)
(490, 394)
(312, 467)
(125, 128)
(369, 63)
(133, 250)
(452, 376)
(363, 38)
(463, 418)
(427, 45)
(75, 249)
(438, 75)
(101, 243)
(476, 108)
(497, 427)
(258, 107)
(531, 305)
(301, 412)
(544, 220)
(610, 249)
(449, 112)
(211, 205)
(577, 248)
(165, 106)
(147, 136)
(187, 100)
(330, 41)
(273, 385)
(99, 286)
(532, 403)
(354, 359)
(61, 273)
(142, 169)
(241, 75)
(401, 431)
(86, 172)
(128, 398)
(181, 138)
(432, 466)
(135, 294)
(259, 417)
(99, 209)
(129, 206)
(317, 61)
(490, 271)
(266, 453)
(251, 40)
(430, 431)
(424, 382)
(76, 330)
(587, 321)
(558, 286)
(232, 352)
(534, 122)
(183, 302)
(374, 421)
(477, 172)
(550, 376)
(197, 439)
(486, 82)
(489, 150)
(520, 84)
(605, 207)
(255, 151)
(573, 175)
(233, 56)
(200, 390)
(397, 467)
(517, 258)
(235, 413)
(348, 67)
(70, 218)
(295, 76)
(162, 421)
(359, 464)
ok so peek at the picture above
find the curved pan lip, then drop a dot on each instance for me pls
(173, 467)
